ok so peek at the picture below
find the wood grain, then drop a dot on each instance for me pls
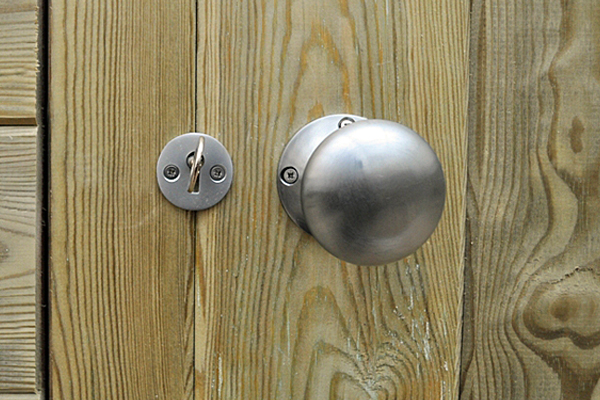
(277, 316)
(532, 322)
(14, 396)
(121, 282)
(17, 259)
(18, 61)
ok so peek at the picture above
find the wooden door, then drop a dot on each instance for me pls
(148, 301)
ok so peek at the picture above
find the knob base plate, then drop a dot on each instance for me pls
(295, 157)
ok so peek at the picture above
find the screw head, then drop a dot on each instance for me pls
(217, 173)
(171, 172)
(289, 175)
(345, 122)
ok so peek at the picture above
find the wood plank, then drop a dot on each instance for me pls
(277, 316)
(18, 61)
(532, 319)
(13, 396)
(17, 259)
(121, 283)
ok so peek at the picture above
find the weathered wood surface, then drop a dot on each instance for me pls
(532, 322)
(121, 282)
(17, 259)
(18, 61)
(18, 177)
(13, 396)
(278, 317)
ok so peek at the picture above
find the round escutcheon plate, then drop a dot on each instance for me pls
(173, 172)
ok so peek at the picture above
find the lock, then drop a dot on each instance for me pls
(194, 171)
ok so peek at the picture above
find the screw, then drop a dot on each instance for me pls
(345, 122)
(289, 175)
(171, 172)
(217, 173)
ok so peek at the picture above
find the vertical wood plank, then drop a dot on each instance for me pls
(17, 259)
(277, 316)
(121, 282)
(532, 319)
(18, 61)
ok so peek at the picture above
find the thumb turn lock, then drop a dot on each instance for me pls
(194, 171)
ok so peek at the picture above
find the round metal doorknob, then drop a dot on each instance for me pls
(370, 191)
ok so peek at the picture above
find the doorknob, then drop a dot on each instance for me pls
(369, 191)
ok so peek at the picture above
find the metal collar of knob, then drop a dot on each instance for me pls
(369, 191)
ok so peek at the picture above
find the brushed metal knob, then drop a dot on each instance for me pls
(369, 191)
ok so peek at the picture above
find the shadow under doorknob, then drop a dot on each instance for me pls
(370, 191)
